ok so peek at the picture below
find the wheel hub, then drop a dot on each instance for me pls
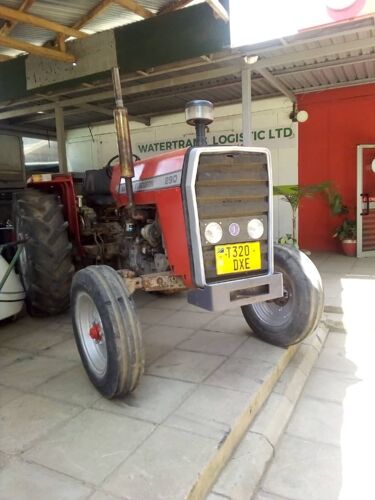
(282, 301)
(95, 332)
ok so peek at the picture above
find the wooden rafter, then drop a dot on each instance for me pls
(175, 5)
(40, 22)
(9, 26)
(14, 43)
(136, 8)
(100, 7)
(95, 11)
(219, 10)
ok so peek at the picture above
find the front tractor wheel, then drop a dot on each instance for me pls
(289, 319)
(107, 331)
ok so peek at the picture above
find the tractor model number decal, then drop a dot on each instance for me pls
(154, 183)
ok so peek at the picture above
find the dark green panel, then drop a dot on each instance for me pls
(164, 39)
(12, 79)
(172, 37)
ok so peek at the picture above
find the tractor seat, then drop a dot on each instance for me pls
(97, 187)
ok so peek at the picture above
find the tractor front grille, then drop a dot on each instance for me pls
(232, 187)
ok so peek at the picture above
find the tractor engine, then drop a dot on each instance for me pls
(142, 248)
(110, 237)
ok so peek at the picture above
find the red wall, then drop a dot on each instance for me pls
(338, 121)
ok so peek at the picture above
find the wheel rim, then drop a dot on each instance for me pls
(91, 334)
(277, 312)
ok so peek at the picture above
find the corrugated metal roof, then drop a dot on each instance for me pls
(68, 13)
(310, 61)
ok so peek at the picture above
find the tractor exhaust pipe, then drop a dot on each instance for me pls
(199, 113)
(123, 138)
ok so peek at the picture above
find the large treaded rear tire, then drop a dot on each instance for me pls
(45, 263)
(107, 331)
(291, 318)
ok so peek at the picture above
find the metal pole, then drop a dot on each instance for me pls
(246, 106)
(61, 139)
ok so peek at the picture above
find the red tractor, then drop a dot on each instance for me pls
(197, 219)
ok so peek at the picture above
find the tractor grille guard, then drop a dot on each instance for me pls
(208, 187)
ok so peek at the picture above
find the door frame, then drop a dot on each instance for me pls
(360, 252)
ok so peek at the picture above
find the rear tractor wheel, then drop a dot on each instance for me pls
(107, 331)
(45, 263)
(289, 319)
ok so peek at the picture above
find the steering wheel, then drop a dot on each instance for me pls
(108, 167)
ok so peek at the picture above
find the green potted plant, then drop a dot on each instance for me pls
(347, 234)
(294, 193)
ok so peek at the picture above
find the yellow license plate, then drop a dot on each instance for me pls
(238, 258)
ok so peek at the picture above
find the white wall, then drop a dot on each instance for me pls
(272, 128)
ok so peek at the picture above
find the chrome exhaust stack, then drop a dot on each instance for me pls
(123, 139)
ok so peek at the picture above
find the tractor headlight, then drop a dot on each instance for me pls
(213, 233)
(255, 229)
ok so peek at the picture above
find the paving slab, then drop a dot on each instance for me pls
(33, 370)
(166, 335)
(37, 340)
(163, 467)
(235, 325)
(254, 348)
(64, 350)
(209, 411)
(262, 495)
(241, 374)
(328, 385)
(28, 418)
(153, 400)
(3, 460)
(90, 446)
(25, 481)
(101, 495)
(296, 466)
(209, 342)
(240, 476)
(319, 421)
(154, 316)
(335, 359)
(7, 394)
(9, 356)
(193, 320)
(72, 386)
(186, 365)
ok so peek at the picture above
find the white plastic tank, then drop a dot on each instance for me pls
(12, 295)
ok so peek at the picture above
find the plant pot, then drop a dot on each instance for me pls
(349, 247)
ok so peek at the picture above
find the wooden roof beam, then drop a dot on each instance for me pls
(135, 7)
(22, 17)
(175, 5)
(9, 26)
(13, 43)
(219, 10)
(95, 11)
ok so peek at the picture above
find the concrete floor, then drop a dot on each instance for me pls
(58, 434)
(327, 450)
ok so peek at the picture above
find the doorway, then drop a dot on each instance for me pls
(366, 200)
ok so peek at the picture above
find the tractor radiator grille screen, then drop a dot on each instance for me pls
(231, 190)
